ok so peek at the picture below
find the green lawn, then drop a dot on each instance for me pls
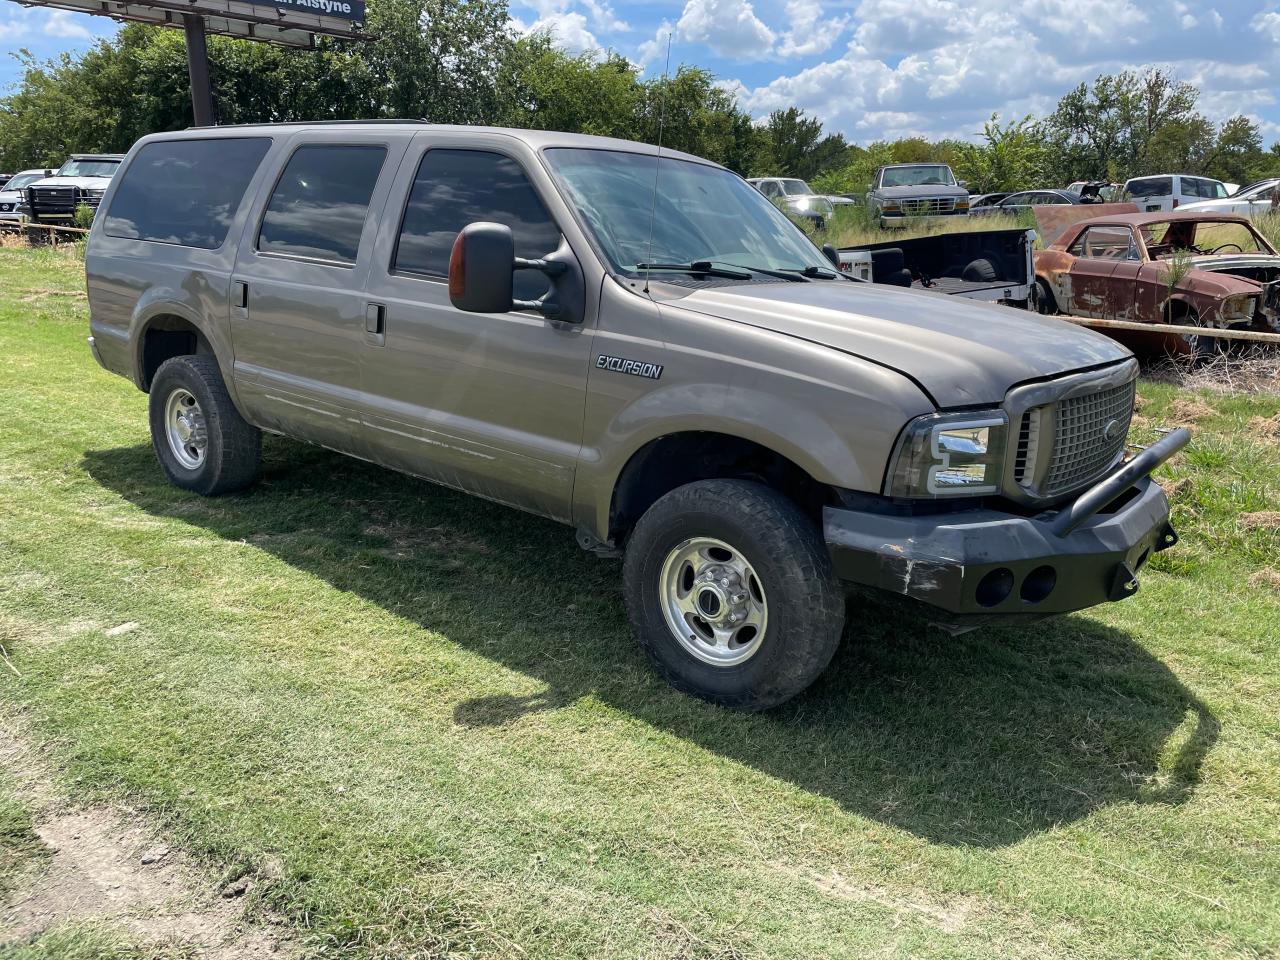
(420, 717)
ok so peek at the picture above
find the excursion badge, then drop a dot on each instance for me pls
(651, 371)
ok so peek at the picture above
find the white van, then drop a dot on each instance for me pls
(1166, 192)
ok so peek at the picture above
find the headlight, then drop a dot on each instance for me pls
(1240, 307)
(962, 204)
(891, 206)
(950, 455)
(801, 203)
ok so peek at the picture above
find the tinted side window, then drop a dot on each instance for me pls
(1151, 187)
(184, 191)
(318, 207)
(456, 187)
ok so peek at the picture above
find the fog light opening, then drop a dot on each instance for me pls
(994, 588)
(1038, 584)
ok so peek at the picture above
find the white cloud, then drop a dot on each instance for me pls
(568, 31)
(603, 18)
(941, 67)
(809, 31)
(63, 23)
(14, 29)
(729, 27)
(655, 50)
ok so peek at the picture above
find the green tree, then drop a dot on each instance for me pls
(1107, 130)
(1010, 157)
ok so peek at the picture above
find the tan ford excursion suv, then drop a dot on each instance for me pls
(645, 349)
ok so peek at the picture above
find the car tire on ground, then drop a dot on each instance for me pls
(731, 593)
(199, 437)
(1045, 302)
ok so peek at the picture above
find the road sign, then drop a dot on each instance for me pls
(290, 23)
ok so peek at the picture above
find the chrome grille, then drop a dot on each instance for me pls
(1081, 448)
(1024, 457)
(928, 205)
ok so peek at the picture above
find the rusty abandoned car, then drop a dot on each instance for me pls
(1188, 269)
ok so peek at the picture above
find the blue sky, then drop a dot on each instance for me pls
(880, 68)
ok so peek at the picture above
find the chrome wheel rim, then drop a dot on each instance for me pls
(185, 428)
(713, 601)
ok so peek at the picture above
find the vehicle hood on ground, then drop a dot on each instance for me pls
(961, 352)
(923, 190)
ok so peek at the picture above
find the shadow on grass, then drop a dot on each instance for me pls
(978, 740)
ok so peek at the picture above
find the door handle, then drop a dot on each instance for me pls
(239, 294)
(375, 323)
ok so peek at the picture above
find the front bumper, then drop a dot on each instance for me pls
(990, 562)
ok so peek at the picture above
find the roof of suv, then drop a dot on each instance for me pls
(537, 139)
(96, 156)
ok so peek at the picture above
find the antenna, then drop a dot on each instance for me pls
(657, 163)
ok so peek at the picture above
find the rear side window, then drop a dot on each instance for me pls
(1151, 187)
(1104, 243)
(185, 192)
(318, 208)
(456, 187)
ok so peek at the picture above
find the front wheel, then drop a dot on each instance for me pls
(731, 594)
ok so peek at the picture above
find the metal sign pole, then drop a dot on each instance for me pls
(198, 70)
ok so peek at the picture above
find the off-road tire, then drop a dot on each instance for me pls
(233, 452)
(805, 600)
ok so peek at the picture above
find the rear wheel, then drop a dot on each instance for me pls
(731, 594)
(199, 437)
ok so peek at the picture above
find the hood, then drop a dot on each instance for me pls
(84, 183)
(1235, 261)
(960, 351)
(923, 190)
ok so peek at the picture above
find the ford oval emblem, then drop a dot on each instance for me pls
(1112, 430)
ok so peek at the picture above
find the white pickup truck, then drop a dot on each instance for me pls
(992, 265)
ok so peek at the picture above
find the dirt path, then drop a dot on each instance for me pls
(107, 866)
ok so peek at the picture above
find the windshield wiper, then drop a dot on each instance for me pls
(698, 266)
(766, 271)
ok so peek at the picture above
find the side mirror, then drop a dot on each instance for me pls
(482, 269)
(832, 254)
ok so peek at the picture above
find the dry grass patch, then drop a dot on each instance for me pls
(1267, 578)
(1263, 520)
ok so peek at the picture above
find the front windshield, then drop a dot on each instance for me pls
(21, 180)
(1172, 237)
(796, 188)
(700, 212)
(916, 176)
(89, 168)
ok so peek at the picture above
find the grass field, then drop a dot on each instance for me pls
(418, 722)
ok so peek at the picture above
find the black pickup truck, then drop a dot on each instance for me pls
(992, 265)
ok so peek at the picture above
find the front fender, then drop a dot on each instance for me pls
(840, 437)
